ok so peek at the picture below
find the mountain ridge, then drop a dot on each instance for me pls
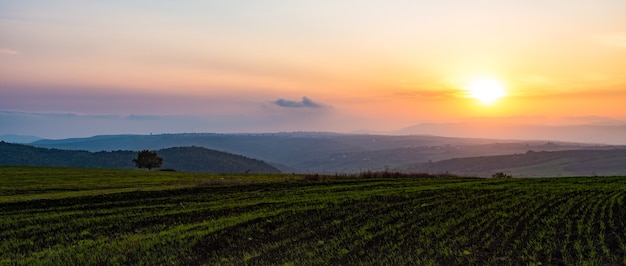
(323, 152)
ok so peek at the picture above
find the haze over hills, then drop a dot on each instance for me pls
(22, 127)
(326, 152)
(602, 132)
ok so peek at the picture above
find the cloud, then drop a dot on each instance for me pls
(305, 103)
(6, 51)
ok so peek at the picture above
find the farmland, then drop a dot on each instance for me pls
(56, 216)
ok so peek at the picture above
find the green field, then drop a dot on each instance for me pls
(69, 216)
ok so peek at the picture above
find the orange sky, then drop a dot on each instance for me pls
(376, 65)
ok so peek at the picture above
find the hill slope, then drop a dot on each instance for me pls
(185, 159)
(320, 152)
(556, 163)
(203, 160)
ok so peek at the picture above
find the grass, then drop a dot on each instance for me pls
(56, 216)
(28, 183)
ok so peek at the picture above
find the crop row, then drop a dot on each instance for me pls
(343, 221)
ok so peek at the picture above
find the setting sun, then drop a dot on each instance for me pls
(292, 66)
(486, 90)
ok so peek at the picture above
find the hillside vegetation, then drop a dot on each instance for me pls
(185, 159)
(67, 216)
(531, 163)
(303, 152)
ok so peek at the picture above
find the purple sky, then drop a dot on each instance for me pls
(73, 68)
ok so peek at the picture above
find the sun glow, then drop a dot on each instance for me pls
(485, 90)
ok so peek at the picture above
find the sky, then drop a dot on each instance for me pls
(81, 68)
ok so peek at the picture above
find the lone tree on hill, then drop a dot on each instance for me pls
(148, 159)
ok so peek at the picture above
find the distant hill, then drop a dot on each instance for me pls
(608, 132)
(184, 159)
(533, 164)
(322, 152)
(198, 159)
(19, 138)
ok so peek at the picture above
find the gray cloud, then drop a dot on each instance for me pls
(305, 103)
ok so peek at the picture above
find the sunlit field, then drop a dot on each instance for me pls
(68, 216)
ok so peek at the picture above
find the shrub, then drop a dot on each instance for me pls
(501, 175)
